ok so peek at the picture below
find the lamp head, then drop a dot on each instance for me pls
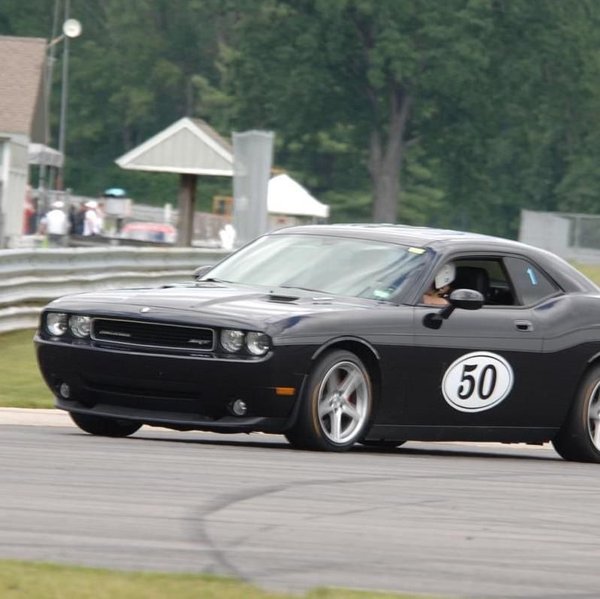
(72, 28)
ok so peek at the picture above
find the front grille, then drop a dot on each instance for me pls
(152, 335)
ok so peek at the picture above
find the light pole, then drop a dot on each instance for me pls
(71, 29)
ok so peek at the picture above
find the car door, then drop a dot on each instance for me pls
(484, 368)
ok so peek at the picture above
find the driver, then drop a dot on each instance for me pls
(440, 288)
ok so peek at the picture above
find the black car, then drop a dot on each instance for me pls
(338, 334)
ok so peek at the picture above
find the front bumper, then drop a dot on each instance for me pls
(177, 391)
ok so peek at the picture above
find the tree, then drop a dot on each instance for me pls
(135, 71)
(456, 113)
(532, 117)
(356, 71)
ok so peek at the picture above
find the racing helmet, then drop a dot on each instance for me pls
(445, 275)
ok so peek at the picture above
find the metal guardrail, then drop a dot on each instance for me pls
(32, 278)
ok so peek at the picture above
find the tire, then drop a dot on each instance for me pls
(336, 406)
(105, 427)
(579, 437)
(381, 443)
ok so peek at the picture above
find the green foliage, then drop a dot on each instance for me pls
(348, 206)
(501, 97)
(423, 203)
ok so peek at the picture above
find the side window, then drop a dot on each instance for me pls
(530, 284)
(486, 275)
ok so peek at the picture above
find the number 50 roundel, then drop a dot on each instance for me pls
(477, 381)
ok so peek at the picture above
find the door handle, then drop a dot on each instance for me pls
(524, 325)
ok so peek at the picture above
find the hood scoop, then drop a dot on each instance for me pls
(289, 299)
(282, 299)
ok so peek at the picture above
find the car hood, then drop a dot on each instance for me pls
(213, 304)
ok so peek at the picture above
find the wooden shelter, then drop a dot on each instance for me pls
(189, 147)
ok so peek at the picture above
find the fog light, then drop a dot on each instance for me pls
(239, 407)
(65, 390)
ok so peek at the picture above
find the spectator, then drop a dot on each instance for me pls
(100, 213)
(227, 236)
(76, 218)
(92, 223)
(55, 224)
(29, 213)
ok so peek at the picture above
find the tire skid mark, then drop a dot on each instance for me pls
(223, 502)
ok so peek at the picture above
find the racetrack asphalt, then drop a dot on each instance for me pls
(55, 417)
(464, 520)
(34, 416)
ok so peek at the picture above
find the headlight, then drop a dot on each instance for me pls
(56, 323)
(80, 325)
(232, 340)
(258, 344)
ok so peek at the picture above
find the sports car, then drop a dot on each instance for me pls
(334, 335)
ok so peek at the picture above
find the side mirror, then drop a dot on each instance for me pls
(201, 271)
(465, 299)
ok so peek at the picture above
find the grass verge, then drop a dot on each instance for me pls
(25, 580)
(21, 385)
(592, 271)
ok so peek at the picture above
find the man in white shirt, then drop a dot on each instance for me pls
(55, 224)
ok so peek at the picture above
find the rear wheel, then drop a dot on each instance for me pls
(336, 406)
(579, 437)
(103, 426)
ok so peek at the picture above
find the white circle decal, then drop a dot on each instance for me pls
(477, 381)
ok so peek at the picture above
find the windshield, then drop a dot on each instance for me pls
(333, 265)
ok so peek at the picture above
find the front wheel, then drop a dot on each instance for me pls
(103, 426)
(381, 443)
(579, 437)
(336, 405)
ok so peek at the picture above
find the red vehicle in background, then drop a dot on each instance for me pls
(149, 231)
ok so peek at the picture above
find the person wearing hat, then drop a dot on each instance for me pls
(55, 224)
(436, 295)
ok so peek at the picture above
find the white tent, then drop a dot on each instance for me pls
(286, 196)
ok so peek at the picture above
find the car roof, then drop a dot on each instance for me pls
(445, 241)
(404, 234)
